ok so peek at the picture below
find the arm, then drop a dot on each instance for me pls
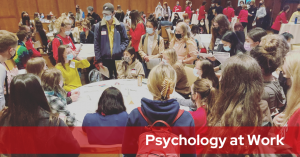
(192, 48)
(124, 38)
(82, 63)
(120, 71)
(186, 102)
(263, 13)
(97, 45)
(140, 70)
(141, 52)
(283, 18)
(232, 14)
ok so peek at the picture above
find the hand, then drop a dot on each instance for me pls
(212, 58)
(193, 11)
(216, 69)
(278, 120)
(101, 65)
(14, 71)
(74, 97)
(257, 18)
(146, 58)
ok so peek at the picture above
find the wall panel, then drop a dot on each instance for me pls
(83, 4)
(124, 4)
(64, 6)
(9, 24)
(26, 5)
(45, 6)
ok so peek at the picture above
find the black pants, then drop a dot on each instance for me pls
(249, 26)
(259, 22)
(110, 64)
(244, 24)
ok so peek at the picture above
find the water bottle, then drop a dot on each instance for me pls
(296, 19)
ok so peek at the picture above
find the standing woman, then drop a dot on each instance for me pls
(220, 26)
(260, 14)
(202, 12)
(251, 15)
(42, 33)
(280, 19)
(158, 10)
(188, 9)
(167, 11)
(25, 18)
(229, 11)
(137, 29)
(243, 16)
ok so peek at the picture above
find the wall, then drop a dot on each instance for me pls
(10, 10)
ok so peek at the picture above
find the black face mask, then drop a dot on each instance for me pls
(260, 4)
(178, 36)
(298, 9)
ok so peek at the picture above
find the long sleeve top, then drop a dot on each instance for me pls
(261, 12)
(132, 71)
(243, 16)
(281, 18)
(136, 35)
(229, 12)
(201, 13)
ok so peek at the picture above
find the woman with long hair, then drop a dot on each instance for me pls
(253, 38)
(167, 11)
(239, 31)
(28, 107)
(231, 44)
(130, 67)
(42, 33)
(252, 12)
(25, 18)
(280, 19)
(220, 26)
(137, 29)
(243, 16)
(184, 45)
(204, 69)
(182, 86)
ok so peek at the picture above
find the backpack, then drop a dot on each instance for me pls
(50, 50)
(144, 36)
(152, 149)
(95, 76)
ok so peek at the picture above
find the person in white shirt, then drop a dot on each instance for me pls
(167, 11)
(260, 14)
(158, 10)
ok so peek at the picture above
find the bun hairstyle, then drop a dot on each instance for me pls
(61, 22)
(152, 20)
(162, 81)
(270, 55)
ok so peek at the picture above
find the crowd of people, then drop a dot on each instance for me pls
(257, 85)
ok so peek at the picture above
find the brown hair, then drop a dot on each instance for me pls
(87, 23)
(21, 35)
(185, 16)
(207, 92)
(35, 66)
(244, 6)
(60, 53)
(7, 40)
(50, 81)
(238, 27)
(239, 95)
(224, 26)
(135, 18)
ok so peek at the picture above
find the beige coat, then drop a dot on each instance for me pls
(156, 51)
(182, 84)
(128, 72)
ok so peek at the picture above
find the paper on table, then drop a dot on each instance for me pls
(104, 71)
(222, 56)
(153, 62)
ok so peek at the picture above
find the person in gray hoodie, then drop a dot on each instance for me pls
(269, 56)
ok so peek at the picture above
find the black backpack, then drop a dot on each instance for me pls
(50, 50)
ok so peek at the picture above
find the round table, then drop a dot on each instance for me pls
(90, 94)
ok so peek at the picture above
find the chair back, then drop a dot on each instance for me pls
(48, 62)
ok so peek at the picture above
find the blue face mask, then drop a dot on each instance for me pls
(226, 48)
(67, 32)
(195, 72)
(149, 30)
(108, 17)
(42, 16)
(69, 57)
(177, 4)
(159, 17)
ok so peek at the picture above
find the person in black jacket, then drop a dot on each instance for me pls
(93, 14)
(120, 14)
(239, 31)
(87, 36)
(210, 13)
(251, 15)
(219, 9)
(231, 44)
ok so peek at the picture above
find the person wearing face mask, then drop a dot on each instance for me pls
(252, 12)
(210, 14)
(202, 12)
(130, 67)
(182, 86)
(280, 19)
(151, 44)
(220, 26)
(22, 54)
(205, 69)
(8, 46)
(296, 13)
(260, 14)
(239, 8)
(64, 26)
(219, 9)
(25, 18)
(177, 7)
(29, 43)
(189, 10)
(202, 27)
(176, 18)
(158, 10)
(68, 67)
(167, 12)
(79, 14)
(87, 36)
(52, 83)
(110, 41)
(94, 15)
(185, 46)
(229, 11)
(253, 38)
(231, 44)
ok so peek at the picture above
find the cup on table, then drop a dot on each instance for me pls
(140, 79)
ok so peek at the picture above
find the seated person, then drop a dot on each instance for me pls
(130, 67)
(182, 85)
(176, 18)
(111, 112)
(22, 54)
(68, 66)
(151, 44)
(185, 46)
(253, 38)
(52, 83)
(87, 36)
(288, 37)
(36, 66)
(231, 44)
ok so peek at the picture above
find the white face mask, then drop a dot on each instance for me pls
(165, 61)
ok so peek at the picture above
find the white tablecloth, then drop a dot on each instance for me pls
(179, 13)
(205, 39)
(293, 29)
(90, 94)
(195, 19)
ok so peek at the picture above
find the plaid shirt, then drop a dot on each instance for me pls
(58, 106)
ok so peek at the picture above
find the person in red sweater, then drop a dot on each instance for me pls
(63, 24)
(202, 12)
(281, 18)
(243, 16)
(137, 29)
(188, 10)
(177, 8)
(229, 11)
(203, 95)
(29, 43)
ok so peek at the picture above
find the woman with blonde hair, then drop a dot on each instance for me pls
(36, 66)
(182, 85)
(185, 46)
(63, 25)
(161, 83)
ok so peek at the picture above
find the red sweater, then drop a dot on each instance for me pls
(66, 41)
(201, 13)
(29, 46)
(177, 8)
(243, 16)
(229, 12)
(136, 35)
(279, 20)
(189, 11)
(291, 133)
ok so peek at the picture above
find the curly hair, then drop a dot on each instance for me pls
(62, 21)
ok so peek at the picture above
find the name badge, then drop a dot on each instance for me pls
(72, 65)
(103, 32)
(133, 71)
